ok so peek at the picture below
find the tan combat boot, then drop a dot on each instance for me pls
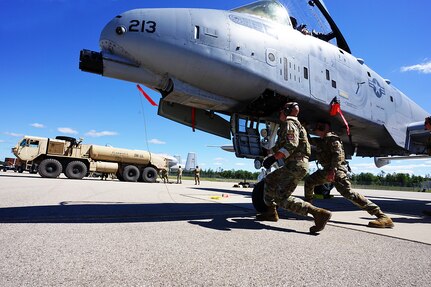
(382, 221)
(321, 217)
(270, 215)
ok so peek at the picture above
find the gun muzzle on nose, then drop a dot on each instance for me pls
(90, 61)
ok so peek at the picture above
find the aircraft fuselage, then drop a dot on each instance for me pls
(230, 62)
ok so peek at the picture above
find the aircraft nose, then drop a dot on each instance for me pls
(127, 35)
(110, 34)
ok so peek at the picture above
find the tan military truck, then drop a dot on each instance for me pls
(51, 157)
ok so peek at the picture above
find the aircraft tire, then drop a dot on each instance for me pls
(149, 174)
(76, 170)
(50, 168)
(131, 173)
(257, 197)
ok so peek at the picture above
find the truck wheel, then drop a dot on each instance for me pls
(50, 168)
(149, 174)
(76, 170)
(120, 176)
(33, 169)
(131, 173)
(257, 197)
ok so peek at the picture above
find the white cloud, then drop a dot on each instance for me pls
(13, 134)
(156, 141)
(240, 164)
(67, 131)
(424, 68)
(2, 141)
(219, 159)
(37, 125)
(96, 134)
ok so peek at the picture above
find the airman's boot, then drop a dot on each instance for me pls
(270, 215)
(321, 217)
(382, 221)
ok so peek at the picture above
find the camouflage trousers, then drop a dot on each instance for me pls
(343, 186)
(281, 183)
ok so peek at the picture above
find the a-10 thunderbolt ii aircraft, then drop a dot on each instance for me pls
(209, 65)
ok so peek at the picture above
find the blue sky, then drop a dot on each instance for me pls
(43, 93)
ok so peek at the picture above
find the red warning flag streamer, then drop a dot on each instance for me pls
(146, 96)
(336, 109)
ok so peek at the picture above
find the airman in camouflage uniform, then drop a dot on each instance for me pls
(197, 172)
(330, 154)
(292, 146)
(180, 175)
(164, 176)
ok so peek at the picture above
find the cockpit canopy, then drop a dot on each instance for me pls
(271, 10)
(309, 14)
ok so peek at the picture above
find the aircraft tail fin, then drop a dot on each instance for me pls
(191, 162)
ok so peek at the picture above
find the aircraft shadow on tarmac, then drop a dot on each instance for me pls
(239, 191)
(216, 215)
(221, 217)
(406, 207)
(223, 223)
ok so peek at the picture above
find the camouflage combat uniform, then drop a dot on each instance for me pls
(180, 175)
(164, 176)
(197, 176)
(280, 184)
(330, 154)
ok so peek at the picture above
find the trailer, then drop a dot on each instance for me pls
(51, 157)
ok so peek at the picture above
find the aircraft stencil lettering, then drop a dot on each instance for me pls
(247, 62)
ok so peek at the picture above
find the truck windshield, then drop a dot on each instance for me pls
(271, 10)
(34, 143)
(23, 143)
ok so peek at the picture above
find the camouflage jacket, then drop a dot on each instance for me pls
(197, 171)
(292, 137)
(330, 151)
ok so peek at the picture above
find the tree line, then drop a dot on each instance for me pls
(389, 179)
(226, 174)
(363, 178)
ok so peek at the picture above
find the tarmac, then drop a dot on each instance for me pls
(108, 233)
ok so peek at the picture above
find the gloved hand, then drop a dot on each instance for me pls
(267, 162)
(330, 176)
